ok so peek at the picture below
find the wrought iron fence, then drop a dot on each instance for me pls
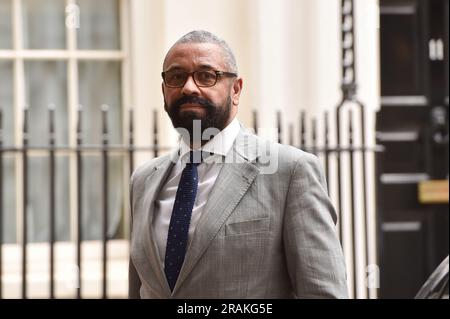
(329, 145)
(51, 149)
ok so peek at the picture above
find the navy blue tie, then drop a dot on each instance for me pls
(180, 220)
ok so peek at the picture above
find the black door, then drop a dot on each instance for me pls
(412, 124)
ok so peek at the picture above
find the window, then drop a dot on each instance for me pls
(65, 55)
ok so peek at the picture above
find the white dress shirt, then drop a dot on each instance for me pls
(208, 171)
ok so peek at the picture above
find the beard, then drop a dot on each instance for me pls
(215, 118)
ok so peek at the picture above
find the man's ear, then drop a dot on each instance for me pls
(236, 91)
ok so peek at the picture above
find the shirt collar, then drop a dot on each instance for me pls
(219, 144)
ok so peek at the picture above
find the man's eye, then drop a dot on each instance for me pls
(178, 76)
(205, 76)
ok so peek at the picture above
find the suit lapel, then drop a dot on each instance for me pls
(153, 185)
(235, 178)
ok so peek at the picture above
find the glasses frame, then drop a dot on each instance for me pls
(189, 74)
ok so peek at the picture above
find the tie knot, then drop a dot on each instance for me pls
(197, 157)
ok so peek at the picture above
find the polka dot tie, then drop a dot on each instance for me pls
(177, 236)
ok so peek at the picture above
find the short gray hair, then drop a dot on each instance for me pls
(201, 36)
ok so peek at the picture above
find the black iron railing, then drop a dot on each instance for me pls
(308, 139)
(104, 149)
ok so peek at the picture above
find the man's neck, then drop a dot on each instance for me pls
(197, 144)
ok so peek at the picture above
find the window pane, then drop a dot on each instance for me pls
(9, 198)
(8, 181)
(46, 85)
(38, 208)
(92, 192)
(99, 84)
(5, 24)
(44, 24)
(6, 101)
(99, 25)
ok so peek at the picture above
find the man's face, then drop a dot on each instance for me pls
(214, 107)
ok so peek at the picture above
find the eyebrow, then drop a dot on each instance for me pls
(176, 67)
(206, 67)
(201, 67)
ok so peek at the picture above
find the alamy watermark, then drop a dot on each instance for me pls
(373, 276)
(71, 276)
(72, 16)
(246, 146)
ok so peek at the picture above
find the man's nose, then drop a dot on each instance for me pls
(190, 88)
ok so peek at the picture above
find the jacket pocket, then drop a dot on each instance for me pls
(247, 227)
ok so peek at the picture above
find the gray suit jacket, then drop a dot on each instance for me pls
(260, 235)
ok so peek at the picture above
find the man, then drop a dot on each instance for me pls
(212, 219)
